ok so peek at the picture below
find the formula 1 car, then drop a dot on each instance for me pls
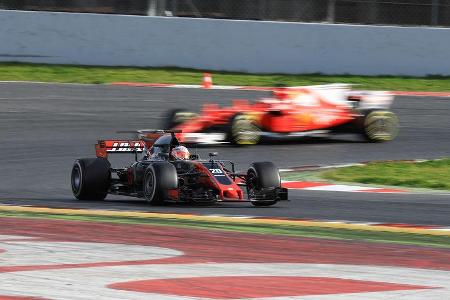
(160, 175)
(314, 111)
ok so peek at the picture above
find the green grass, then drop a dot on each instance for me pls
(433, 174)
(92, 74)
(299, 231)
(302, 176)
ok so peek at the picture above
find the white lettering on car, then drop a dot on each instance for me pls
(125, 147)
(216, 171)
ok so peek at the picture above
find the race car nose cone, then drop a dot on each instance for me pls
(231, 193)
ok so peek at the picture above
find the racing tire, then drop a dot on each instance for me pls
(158, 179)
(378, 125)
(262, 175)
(243, 131)
(177, 117)
(91, 178)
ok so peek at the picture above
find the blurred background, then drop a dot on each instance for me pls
(379, 12)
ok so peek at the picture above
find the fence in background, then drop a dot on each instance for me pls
(382, 12)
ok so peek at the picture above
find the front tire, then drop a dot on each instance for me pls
(91, 178)
(262, 179)
(158, 179)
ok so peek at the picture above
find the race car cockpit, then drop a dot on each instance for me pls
(163, 146)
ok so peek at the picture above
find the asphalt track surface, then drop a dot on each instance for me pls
(45, 127)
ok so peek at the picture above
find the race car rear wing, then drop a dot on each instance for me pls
(372, 99)
(144, 140)
(105, 147)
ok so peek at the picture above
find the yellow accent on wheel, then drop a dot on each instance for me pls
(380, 126)
(244, 131)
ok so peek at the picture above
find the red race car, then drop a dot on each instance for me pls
(166, 171)
(290, 113)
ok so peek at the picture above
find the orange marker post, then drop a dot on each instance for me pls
(207, 81)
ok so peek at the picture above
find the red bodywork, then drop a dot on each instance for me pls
(230, 192)
(289, 111)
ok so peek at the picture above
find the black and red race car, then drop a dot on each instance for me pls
(294, 112)
(159, 177)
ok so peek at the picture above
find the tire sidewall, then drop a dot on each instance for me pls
(377, 137)
(150, 173)
(267, 175)
(94, 178)
(77, 165)
(164, 176)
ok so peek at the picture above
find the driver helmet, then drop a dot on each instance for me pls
(180, 152)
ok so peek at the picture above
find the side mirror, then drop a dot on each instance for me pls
(194, 157)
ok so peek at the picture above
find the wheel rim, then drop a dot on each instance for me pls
(244, 131)
(149, 188)
(76, 179)
(381, 126)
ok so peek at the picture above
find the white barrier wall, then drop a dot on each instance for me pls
(247, 46)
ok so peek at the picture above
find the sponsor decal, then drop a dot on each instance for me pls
(123, 146)
(216, 171)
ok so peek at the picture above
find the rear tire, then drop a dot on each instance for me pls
(243, 131)
(262, 175)
(158, 179)
(378, 125)
(177, 117)
(91, 178)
